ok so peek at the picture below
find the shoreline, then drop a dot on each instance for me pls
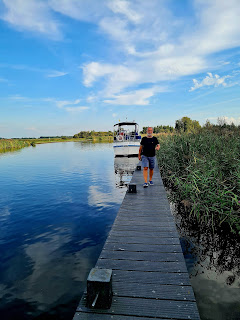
(8, 145)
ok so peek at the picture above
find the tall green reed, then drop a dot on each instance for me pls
(203, 173)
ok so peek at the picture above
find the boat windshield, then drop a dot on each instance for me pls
(127, 132)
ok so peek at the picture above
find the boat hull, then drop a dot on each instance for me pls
(126, 149)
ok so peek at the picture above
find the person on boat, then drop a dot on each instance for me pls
(146, 154)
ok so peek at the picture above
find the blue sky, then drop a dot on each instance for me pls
(72, 65)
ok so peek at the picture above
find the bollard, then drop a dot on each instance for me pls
(132, 188)
(99, 288)
(139, 168)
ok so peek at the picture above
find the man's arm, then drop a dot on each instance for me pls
(139, 153)
(157, 145)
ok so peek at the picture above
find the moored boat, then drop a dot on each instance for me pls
(126, 139)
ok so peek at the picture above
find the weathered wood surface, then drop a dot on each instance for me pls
(150, 278)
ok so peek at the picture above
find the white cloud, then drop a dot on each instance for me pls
(31, 15)
(210, 80)
(56, 74)
(63, 103)
(228, 120)
(76, 109)
(152, 42)
(19, 97)
(91, 98)
(138, 97)
(159, 51)
(217, 28)
(90, 10)
(123, 7)
(118, 76)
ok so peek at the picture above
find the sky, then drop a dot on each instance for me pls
(73, 65)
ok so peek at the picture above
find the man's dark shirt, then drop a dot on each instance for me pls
(149, 145)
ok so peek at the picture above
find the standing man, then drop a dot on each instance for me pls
(147, 154)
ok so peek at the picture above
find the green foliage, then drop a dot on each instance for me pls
(159, 129)
(188, 125)
(203, 173)
(221, 128)
(11, 144)
(90, 135)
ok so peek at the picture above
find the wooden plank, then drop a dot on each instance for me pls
(141, 256)
(147, 234)
(144, 217)
(141, 247)
(142, 228)
(157, 278)
(142, 265)
(169, 309)
(168, 239)
(89, 316)
(143, 222)
(153, 291)
(162, 211)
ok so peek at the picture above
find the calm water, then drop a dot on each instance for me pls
(57, 205)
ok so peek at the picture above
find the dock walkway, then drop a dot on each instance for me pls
(150, 278)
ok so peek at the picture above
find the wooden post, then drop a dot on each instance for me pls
(99, 288)
(132, 188)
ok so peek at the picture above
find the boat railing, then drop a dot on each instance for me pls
(127, 137)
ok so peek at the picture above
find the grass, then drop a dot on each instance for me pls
(202, 171)
(9, 144)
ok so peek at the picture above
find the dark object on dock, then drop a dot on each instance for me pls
(99, 288)
(139, 168)
(132, 188)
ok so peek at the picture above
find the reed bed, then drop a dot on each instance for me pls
(202, 171)
(10, 144)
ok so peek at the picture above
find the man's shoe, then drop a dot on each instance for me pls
(145, 185)
(151, 183)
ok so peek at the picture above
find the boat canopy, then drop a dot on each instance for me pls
(125, 123)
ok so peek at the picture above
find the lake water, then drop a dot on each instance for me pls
(57, 204)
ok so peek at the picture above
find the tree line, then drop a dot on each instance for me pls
(187, 125)
(92, 134)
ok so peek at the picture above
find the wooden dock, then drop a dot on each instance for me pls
(150, 278)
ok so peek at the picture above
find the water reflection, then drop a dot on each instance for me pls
(124, 168)
(213, 260)
(57, 205)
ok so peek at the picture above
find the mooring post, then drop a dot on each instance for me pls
(99, 288)
(132, 188)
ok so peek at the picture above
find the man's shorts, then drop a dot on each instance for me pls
(148, 162)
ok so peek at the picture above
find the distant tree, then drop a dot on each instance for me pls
(92, 134)
(185, 124)
(144, 130)
(221, 122)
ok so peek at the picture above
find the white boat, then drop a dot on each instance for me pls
(126, 139)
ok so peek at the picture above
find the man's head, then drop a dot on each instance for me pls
(149, 132)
